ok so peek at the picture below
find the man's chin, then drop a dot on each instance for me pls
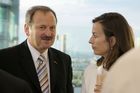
(47, 46)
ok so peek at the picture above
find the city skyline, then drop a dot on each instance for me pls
(75, 18)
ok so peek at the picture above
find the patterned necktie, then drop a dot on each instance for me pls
(43, 74)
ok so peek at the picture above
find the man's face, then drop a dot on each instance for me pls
(41, 33)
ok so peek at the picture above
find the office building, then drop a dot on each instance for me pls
(9, 22)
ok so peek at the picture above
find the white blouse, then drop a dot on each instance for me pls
(89, 78)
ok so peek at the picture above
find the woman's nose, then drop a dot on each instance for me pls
(90, 40)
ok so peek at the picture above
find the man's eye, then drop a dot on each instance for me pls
(52, 28)
(42, 27)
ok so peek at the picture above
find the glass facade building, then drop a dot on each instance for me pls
(9, 22)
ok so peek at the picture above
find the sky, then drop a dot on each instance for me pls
(75, 18)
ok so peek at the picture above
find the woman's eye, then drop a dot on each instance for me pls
(94, 36)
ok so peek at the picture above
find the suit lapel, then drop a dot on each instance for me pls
(53, 62)
(28, 65)
(57, 71)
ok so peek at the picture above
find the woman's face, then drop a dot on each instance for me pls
(98, 40)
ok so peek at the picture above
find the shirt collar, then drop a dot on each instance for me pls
(35, 54)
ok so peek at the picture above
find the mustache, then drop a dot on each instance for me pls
(47, 38)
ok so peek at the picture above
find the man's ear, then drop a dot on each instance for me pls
(26, 29)
(112, 41)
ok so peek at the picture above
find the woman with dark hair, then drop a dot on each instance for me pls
(111, 37)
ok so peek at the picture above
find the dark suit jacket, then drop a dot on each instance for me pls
(18, 61)
(11, 84)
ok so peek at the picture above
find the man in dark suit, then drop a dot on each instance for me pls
(21, 60)
(11, 84)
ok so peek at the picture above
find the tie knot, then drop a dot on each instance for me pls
(41, 58)
(40, 61)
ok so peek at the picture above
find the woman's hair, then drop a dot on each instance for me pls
(114, 24)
